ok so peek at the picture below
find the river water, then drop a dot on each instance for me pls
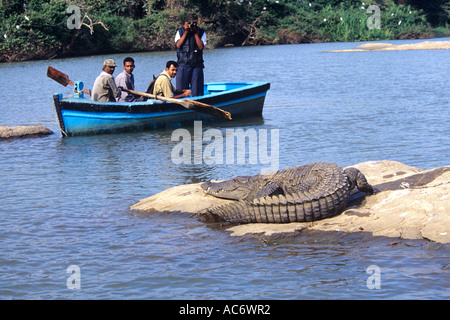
(65, 201)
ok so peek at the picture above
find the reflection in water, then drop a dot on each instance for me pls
(119, 153)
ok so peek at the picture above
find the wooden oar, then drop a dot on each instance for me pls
(62, 78)
(188, 104)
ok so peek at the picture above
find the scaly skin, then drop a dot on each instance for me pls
(304, 193)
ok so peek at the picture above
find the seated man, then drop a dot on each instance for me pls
(105, 88)
(125, 80)
(163, 86)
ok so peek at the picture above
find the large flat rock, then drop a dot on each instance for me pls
(410, 203)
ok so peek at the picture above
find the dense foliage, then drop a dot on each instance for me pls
(40, 29)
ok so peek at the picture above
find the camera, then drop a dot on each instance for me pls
(192, 24)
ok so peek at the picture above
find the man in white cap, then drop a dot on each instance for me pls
(105, 88)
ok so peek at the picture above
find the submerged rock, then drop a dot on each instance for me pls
(409, 203)
(23, 131)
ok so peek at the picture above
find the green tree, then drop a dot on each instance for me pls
(37, 29)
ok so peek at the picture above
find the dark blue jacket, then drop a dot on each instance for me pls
(189, 54)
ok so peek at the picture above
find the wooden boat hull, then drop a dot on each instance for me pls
(81, 116)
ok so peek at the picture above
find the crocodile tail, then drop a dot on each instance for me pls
(357, 179)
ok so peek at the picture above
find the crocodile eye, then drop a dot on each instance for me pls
(242, 179)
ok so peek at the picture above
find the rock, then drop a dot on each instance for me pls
(375, 46)
(23, 131)
(410, 203)
(188, 198)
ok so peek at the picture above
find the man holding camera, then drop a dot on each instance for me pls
(190, 41)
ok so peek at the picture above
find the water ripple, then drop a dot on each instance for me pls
(66, 201)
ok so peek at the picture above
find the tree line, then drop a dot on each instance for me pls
(44, 29)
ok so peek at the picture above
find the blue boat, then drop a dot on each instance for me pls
(79, 115)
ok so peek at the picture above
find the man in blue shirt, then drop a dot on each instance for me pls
(126, 80)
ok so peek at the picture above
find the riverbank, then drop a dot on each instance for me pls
(40, 54)
(410, 203)
(44, 30)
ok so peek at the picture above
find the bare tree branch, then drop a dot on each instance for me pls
(91, 23)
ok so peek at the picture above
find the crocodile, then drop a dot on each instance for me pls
(303, 193)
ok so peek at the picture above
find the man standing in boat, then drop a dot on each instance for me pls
(125, 80)
(163, 85)
(105, 88)
(190, 41)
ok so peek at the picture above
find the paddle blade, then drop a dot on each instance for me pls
(58, 76)
(209, 109)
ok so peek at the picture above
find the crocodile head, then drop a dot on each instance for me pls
(243, 188)
(235, 189)
(357, 179)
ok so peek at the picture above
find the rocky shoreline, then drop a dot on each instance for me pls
(23, 132)
(410, 203)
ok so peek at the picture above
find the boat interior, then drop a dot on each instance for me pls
(212, 88)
